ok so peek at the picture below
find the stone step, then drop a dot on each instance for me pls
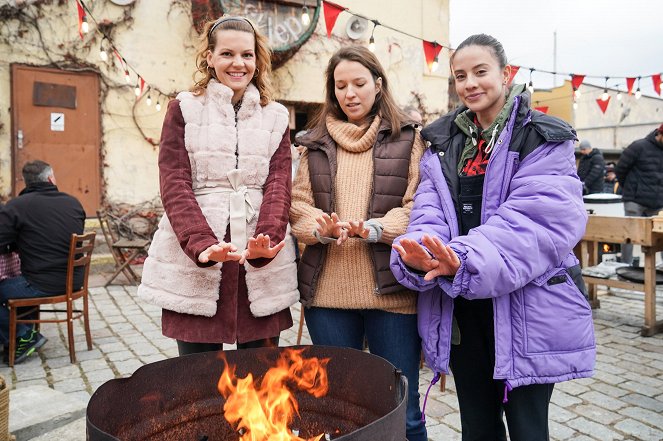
(36, 410)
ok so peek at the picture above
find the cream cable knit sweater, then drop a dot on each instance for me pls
(347, 279)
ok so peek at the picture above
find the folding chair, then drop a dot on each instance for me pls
(123, 250)
(80, 252)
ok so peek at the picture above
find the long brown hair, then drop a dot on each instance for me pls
(384, 105)
(263, 52)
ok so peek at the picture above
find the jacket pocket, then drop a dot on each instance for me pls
(555, 315)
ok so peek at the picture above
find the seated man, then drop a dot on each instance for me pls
(39, 223)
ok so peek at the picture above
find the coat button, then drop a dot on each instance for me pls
(441, 154)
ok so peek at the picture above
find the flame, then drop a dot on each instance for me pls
(263, 412)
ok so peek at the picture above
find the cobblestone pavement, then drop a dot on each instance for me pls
(623, 401)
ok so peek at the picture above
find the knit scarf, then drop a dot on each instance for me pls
(351, 137)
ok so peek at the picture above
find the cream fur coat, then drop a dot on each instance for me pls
(170, 279)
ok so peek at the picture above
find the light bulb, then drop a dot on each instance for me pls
(530, 87)
(149, 100)
(137, 90)
(371, 44)
(605, 95)
(435, 64)
(619, 95)
(84, 26)
(575, 105)
(638, 94)
(306, 19)
(158, 106)
(127, 78)
(103, 55)
(576, 93)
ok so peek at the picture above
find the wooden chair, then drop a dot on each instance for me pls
(80, 252)
(124, 251)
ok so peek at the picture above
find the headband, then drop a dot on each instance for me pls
(225, 19)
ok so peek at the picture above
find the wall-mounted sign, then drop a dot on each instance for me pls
(57, 122)
(280, 20)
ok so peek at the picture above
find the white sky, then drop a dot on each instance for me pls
(615, 38)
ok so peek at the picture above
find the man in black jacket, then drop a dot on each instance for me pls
(591, 168)
(640, 174)
(38, 223)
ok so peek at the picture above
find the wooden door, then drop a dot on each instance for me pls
(55, 118)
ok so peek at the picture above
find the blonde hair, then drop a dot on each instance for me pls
(262, 79)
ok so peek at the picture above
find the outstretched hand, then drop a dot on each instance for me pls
(439, 260)
(357, 229)
(220, 252)
(331, 226)
(260, 246)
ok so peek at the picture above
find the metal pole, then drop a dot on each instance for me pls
(555, 57)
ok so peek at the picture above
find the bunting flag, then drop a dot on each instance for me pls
(514, 71)
(657, 83)
(629, 84)
(331, 10)
(603, 104)
(142, 85)
(431, 50)
(81, 15)
(543, 109)
(576, 81)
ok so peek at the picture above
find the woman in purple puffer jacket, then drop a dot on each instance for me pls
(489, 247)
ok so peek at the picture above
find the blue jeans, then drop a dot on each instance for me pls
(15, 288)
(391, 336)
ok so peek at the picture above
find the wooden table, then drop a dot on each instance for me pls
(644, 231)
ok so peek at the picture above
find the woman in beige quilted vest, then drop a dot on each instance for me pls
(351, 198)
(225, 172)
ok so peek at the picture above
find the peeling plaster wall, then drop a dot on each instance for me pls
(157, 39)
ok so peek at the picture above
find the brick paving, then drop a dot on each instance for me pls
(623, 401)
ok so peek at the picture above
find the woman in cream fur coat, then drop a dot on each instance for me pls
(225, 175)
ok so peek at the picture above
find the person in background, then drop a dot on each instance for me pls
(591, 168)
(414, 114)
(501, 299)
(640, 174)
(38, 224)
(351, 198)
(225, 174)
(610, 183)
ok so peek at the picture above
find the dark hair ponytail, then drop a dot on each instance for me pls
(486, 41)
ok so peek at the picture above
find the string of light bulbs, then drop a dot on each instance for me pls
(337, 9)
(141, 88)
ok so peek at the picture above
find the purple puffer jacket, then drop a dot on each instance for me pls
(532, 217)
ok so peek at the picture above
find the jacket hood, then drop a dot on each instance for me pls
(652, 138)
(440, 131)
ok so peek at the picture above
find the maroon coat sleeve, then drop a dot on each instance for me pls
(189, 224)
(275, 207)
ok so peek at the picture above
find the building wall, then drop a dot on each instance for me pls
(157, 39)
(624, 121)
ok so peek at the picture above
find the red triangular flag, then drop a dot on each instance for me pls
(629, 85)
(431, 50)
(81, 14)
(576, 81)
(331, 11)
(543, 109)
(656, 78)
(142, 85)
(603, 104)
(514, 71)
